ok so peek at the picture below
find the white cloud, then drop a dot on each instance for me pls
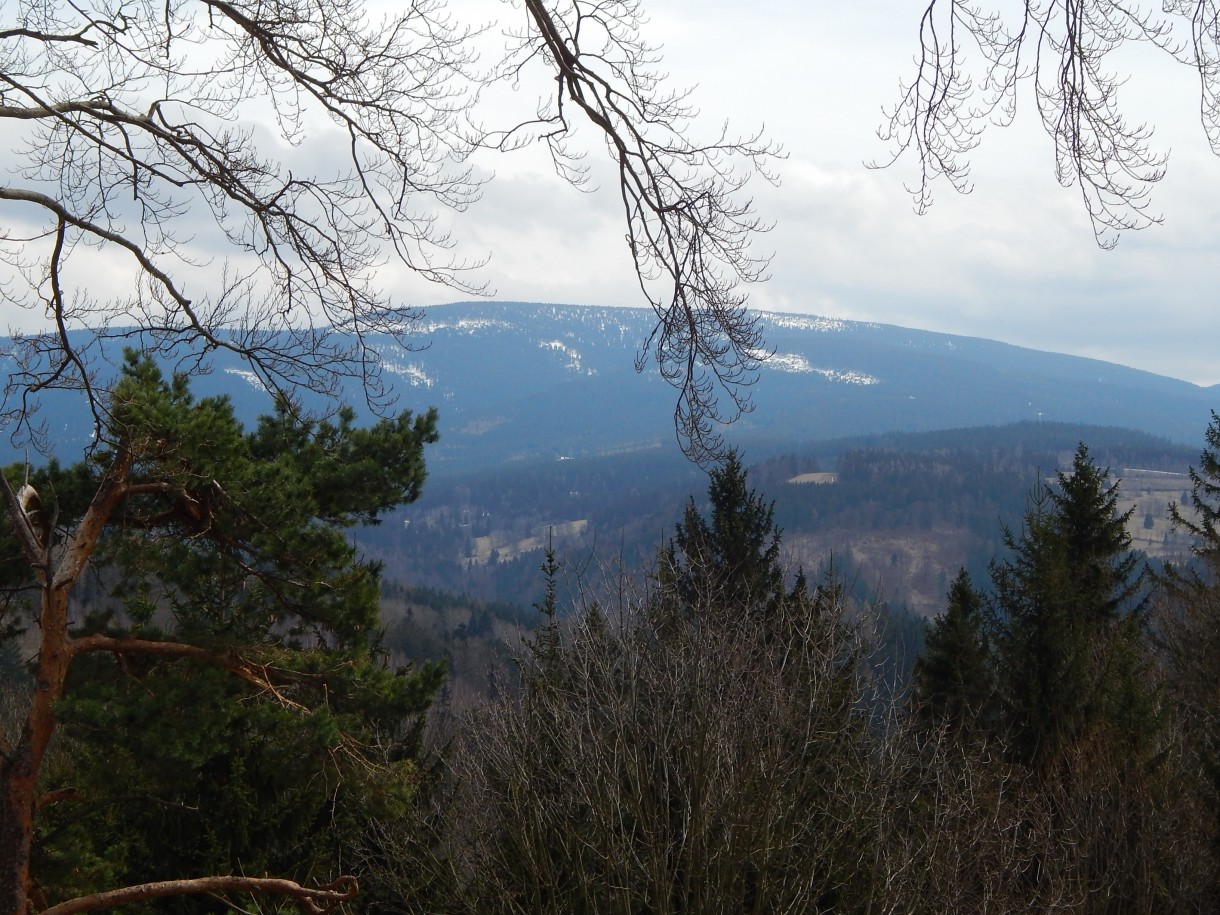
(1013, 261)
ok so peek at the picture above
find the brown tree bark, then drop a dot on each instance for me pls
(57, 571)
(19, 771)
(317, 901)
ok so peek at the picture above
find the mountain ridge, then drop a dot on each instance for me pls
(526, 381)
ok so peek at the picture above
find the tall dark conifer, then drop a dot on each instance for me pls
(1066, 620)
(730, 559)
(954, 677)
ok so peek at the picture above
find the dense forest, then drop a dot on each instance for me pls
(243, 692)
(905, 511)
(261, 664)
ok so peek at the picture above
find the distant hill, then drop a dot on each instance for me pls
(517, 383)
(903, 513)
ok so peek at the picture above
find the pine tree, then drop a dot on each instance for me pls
(221, 706)
(730, 560)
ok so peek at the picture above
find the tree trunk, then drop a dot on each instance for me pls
(19, 770)
(16, 830)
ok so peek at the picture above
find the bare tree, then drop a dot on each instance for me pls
(971, 64)
(146, 134)
(661, 762)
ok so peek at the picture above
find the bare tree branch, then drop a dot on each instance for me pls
(971, 67)
(144, 130)
(688, 226)
(313, 901)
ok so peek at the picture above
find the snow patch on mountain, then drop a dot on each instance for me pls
(810, 322)
(462, 325)
(795, 363)
(789, 362)
(247, 376)
(848, 377)
(572, 355)
(414, 374)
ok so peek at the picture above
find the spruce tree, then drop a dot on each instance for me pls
(1066, 620)
(730, 559)
(954, 677)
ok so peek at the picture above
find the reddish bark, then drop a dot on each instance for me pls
(317, 901)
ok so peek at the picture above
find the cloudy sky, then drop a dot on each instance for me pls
(1014, 261)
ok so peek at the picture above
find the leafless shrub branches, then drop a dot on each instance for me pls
(701, 768)
(970, 67)
(146, 133)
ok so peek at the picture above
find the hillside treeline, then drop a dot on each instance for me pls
(935, 493)
(203, 708)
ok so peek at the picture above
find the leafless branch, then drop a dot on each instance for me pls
(143, 131)
(971, 66)
(689, 225)
(313, 901)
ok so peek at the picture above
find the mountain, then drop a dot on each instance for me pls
(516, 383)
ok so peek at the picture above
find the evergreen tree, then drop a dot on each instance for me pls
(954, 677)
(1203, 518)
(220, 707)
(1066, 620)
(730, 559)
(1190, 627)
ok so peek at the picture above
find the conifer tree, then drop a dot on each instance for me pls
(1066, 620)
(954, 676)
(730, 559)
(219, 711)
(1203, 518)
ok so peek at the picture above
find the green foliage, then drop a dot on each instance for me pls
(954, 676)
(730, 559)
(1204, 520)
(544, 648)
(243, 532)
(269, 732)
(1067, 623)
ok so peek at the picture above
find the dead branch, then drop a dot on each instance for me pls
(312, 901)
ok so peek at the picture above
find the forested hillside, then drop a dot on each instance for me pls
(314, 602)
(903, 513)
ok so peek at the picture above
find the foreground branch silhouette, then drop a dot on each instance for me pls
(167, 145)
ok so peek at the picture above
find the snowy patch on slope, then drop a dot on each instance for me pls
(249, 377)
(415, 376)
(462, 326)
(848, 377)
(572, 355)
(810, 322)
(795, 363)
(789, 362)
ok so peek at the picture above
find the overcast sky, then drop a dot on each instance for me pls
(1014, 261)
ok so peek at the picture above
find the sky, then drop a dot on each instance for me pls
(1015, 260)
